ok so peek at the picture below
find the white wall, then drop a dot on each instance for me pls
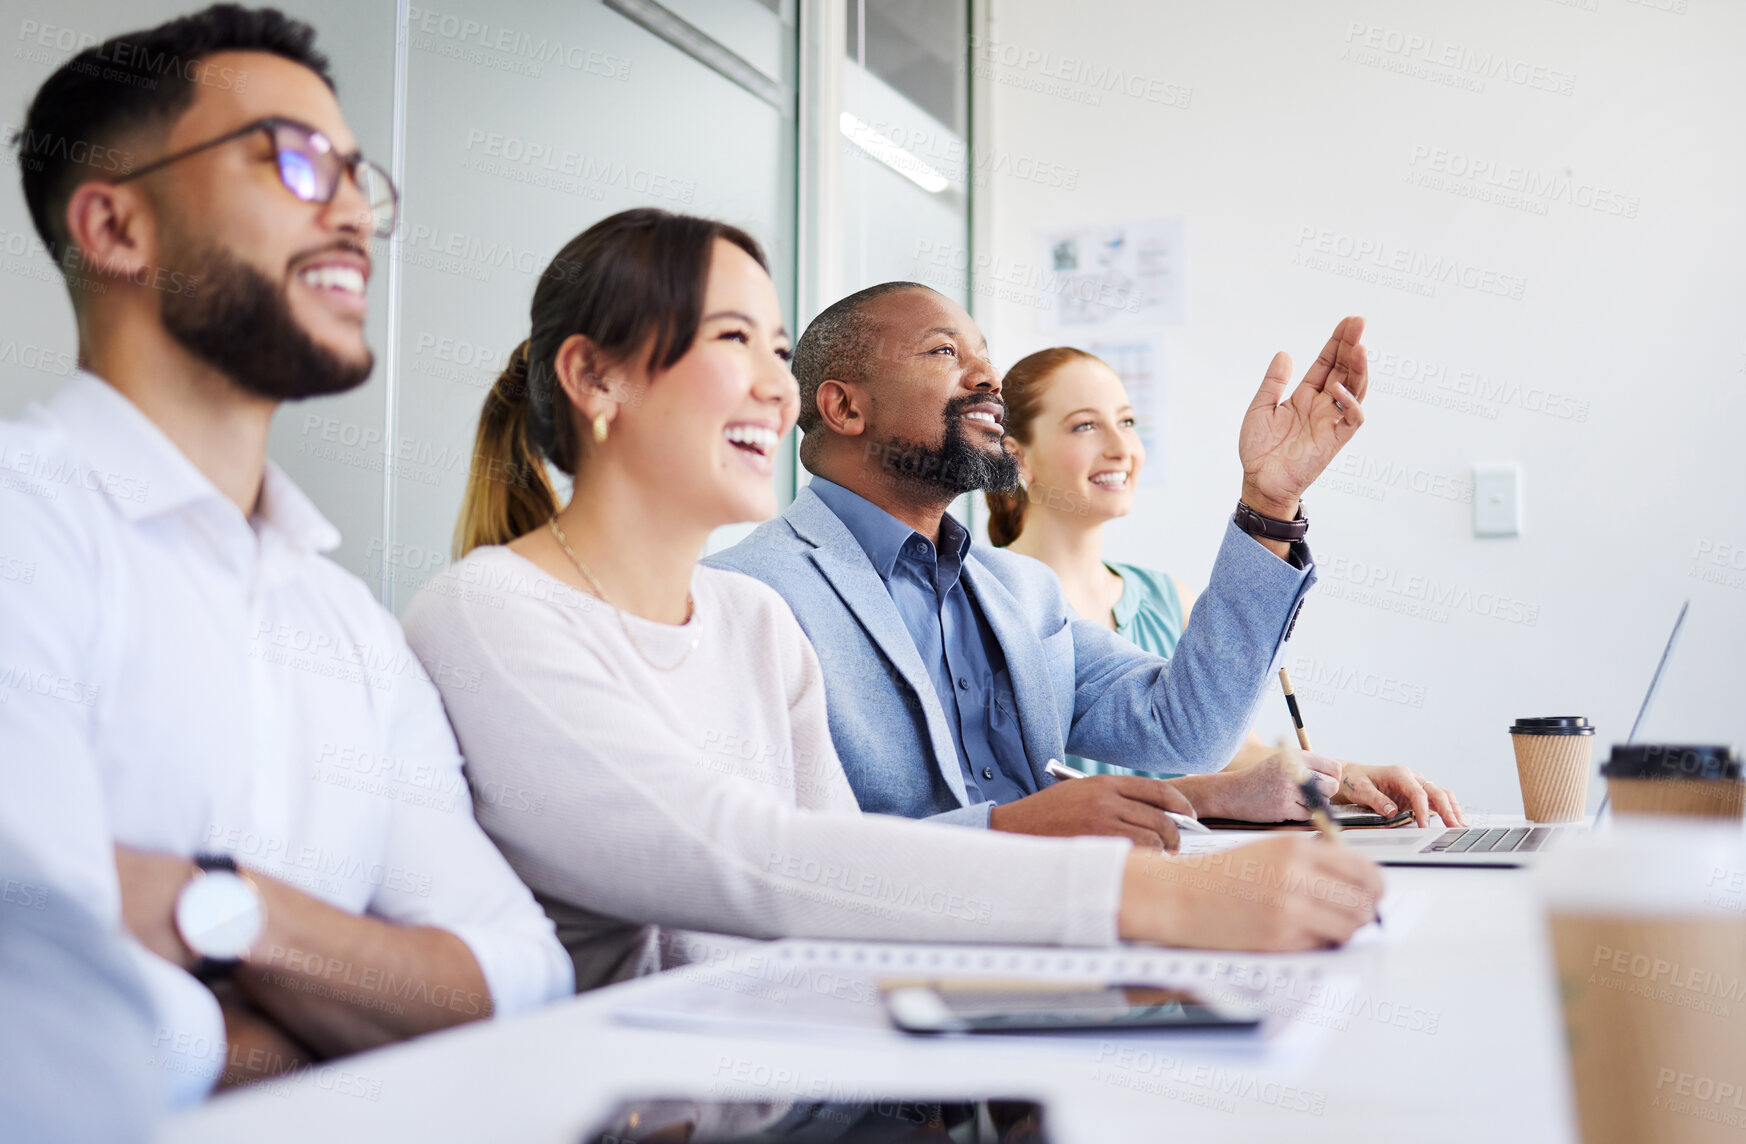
(1634, 320)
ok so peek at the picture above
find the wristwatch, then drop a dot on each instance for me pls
(1270, 527)
(220, 916)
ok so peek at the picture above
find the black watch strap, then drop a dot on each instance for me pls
(210, 970)
(1269, 527)
(215, 862)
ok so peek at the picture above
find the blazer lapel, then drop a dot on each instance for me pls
(842, 561)
(1031, 686)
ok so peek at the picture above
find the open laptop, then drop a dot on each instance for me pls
(1508, 846)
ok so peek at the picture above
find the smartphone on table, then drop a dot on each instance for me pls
(874, 1121)
(934, 1008)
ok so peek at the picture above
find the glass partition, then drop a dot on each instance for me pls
(907, 165)
(526, 122)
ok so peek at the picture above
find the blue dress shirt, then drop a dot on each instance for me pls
(963, 658)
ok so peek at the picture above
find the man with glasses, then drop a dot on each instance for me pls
(220, 736)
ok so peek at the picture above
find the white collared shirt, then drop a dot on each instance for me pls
(176, 678)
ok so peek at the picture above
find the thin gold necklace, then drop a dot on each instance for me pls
(690, 607)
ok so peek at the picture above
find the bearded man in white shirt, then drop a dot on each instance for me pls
(208, 726)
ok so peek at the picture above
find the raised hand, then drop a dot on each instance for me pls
(1286, 443)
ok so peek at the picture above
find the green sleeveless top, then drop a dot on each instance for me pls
(1148, 614)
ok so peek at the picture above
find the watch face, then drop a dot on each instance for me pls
(219, 915)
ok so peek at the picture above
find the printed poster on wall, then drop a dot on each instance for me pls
(1114, 274)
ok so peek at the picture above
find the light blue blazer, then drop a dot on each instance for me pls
(1079, 688)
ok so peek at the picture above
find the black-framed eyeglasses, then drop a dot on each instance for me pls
(309, 166)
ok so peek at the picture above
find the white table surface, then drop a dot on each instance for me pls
(1474, 955)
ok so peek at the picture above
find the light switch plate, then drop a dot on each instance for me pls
(1497, 499)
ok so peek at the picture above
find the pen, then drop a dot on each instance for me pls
(1306, 785)
(1312, 794)
(1291, 702)
(1313, 798)
(1060, 770)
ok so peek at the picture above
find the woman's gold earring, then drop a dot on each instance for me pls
(599, 424)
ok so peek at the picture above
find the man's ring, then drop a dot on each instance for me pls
(1338, 406)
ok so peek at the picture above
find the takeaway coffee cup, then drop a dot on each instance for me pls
(1669, 778)
(1553, 753)
(1649, 939)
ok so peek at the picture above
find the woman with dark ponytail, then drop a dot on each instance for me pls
(513, 495)
(646, 738)
(1072, 427)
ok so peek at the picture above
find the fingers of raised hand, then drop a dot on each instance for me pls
(1345, 406)
(1273, 383)
(1358, 377)
(1317, 374)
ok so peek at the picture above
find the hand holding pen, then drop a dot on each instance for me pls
(1320, 810)
(1058, 769)
(1382, 789)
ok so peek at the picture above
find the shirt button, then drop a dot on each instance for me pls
(987, 772)
(963, 684)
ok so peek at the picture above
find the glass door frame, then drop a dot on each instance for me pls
(820, 217)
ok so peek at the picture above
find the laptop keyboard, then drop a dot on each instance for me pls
(1496, 840)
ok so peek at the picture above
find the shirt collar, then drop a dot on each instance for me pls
(1128, 603)
(286, 509)
(881, 535)
(128, 458)
(123, 453)
(955, 536)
